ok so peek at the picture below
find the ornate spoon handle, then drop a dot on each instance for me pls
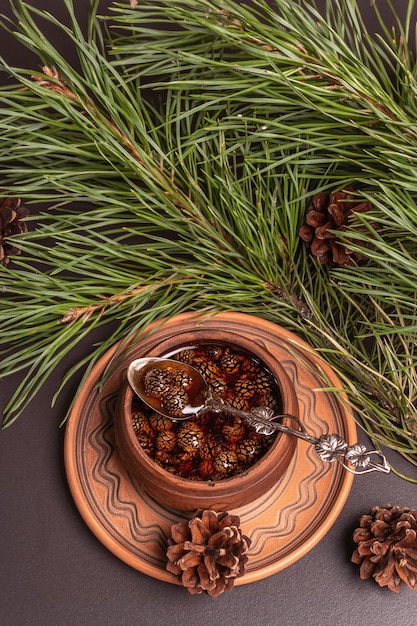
(355, 459)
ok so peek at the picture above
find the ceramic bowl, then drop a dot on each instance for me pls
(174, 491)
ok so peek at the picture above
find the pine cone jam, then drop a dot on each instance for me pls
(212, 446)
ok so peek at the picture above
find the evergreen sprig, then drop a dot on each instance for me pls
(178, 160)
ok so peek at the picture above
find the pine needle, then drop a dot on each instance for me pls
(178, 160)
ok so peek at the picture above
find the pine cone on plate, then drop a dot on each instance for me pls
(12, 212)
(208, 552)
(326, 213)
(387, 546)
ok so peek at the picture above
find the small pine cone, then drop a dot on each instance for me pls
(185, 356)
(210, 447)
(146, 441)
(245, 388)
(208, 553)
(182, 379)
(249, 449)
(249, 366)
(230, 363)
(165, 441)
(208, 370)
(271, 400)
(387, 546)
(159, 423)
(214, 352)
(175, 401)
(219, 388)
(12, 212)
(234, 429)
(265, 382)
(190, 437)
(140, 423)
(157, 382)
(226, 463)
(205, 469)
(238, 402)
(331, 213)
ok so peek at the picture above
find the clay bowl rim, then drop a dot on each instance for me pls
(284, 444)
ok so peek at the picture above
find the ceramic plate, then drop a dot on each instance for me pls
(283, 525)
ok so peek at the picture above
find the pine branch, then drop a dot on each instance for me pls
(179, 162)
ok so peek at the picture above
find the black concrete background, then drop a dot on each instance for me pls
(53, 570)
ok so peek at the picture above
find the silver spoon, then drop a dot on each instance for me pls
(196, 398)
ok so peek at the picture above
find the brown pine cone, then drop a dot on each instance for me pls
(157, 382)
(208, 552)
(12, 212)
(174, 401)
(387, 546)
(326, 213)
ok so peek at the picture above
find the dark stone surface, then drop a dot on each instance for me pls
(53, 570)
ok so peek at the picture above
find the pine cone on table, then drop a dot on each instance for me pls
(331, 212)
(387, 546)
(208, 552)
(12, 212)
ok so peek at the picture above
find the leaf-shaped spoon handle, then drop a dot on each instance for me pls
(355, 458)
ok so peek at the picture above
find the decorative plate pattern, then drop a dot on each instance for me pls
(283, 525)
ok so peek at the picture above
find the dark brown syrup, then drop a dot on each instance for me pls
(211, 446)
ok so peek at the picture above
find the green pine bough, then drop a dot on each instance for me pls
(178, 159)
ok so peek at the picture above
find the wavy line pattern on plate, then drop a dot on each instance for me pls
(295, 512)
(120, 515)
(306, 494)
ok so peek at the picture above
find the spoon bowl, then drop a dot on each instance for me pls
(153, 379)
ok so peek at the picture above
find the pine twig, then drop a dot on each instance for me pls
(85, 312)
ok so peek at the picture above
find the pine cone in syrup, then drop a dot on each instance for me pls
(208, 552)
(387, 546)
(331, 213)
